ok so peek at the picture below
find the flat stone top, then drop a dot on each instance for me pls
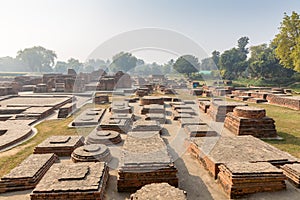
(61, 141)
(198, 128)
(75, 172)
(119, 104)
(297, 98)
(249, 108)
(78, 177)
(150, 150)
(29, 167)
(190, 120)
(37, 110)
(159, 191)
(102, 134)
(175, 107)
(152, 98)
(91, 150)
(25, 101)
(252, 168)
(294, 167)
(155, 115)
(226, 103)
(121, 116)
(146, 123)
(154, 106)
(15, 129)
(143, 134)
(240, 149)
(137, 144)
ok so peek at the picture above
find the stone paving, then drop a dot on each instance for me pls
(28, 173)
(60, 145)
(73, 181)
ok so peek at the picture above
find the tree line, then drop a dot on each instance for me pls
(280, 59)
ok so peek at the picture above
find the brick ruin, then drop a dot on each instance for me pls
(292, 172)
(60, 145)
(214, 151)
(89, 117)
(107, 137)
(27, 175)
(145, 160)
(91, 153)
(248, 120)
(240, 179)
(159, 190)
(218, 109)
(86, 180)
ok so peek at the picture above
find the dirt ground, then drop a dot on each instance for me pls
(193, 178)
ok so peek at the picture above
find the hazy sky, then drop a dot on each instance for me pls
(74, 28)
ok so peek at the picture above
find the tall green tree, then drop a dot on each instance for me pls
(287, 42)
(123, 62)
(187, 64)
(264, 64)
(37, 58)
(233, 62)
(75, 64)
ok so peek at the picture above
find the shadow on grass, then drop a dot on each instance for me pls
(287, 139)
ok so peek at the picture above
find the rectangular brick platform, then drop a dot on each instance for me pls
(73, 181)
(292, 172)
(89, 117)
(28, 173)
(219, 109)
(243, 178)
(60, 145)
(145, 160)
(202, 130)
(213, 151)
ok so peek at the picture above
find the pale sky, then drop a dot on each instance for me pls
(74, 28)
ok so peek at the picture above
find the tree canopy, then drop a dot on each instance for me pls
(123, 62)
(287, 42)
(186, 64)
(37, 58)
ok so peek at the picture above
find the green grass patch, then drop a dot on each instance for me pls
(45, 129)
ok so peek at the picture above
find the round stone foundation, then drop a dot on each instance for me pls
(103, 137)
(91, 153)
(249, 112)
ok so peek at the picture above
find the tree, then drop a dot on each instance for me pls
(264, 64)
(233, 62)
(187, 64)
(37, 58)
(287, 42)
(75, 64)
(242, 43)
(215, 57)
(12, 65)
(123, 62)
(61, 67)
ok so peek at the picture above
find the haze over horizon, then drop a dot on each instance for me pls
(75, 28)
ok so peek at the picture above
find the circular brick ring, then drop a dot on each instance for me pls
(249, 112)
(91, 152)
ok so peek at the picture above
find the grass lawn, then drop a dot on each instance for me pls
(45, 129)
(287, 125)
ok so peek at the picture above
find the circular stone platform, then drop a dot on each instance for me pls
(91, 153)
(103, 137)
(249, 112)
